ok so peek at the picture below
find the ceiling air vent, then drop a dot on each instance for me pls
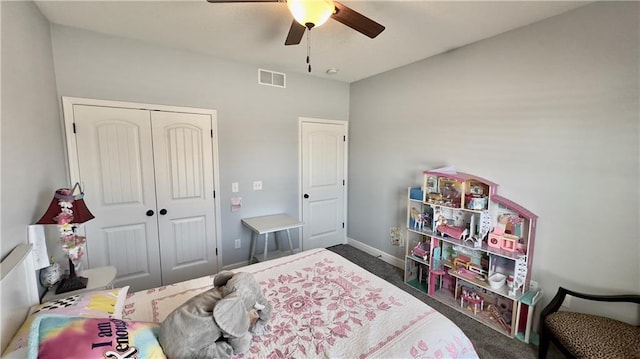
(272, 78)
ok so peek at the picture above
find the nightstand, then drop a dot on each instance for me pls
(98, 278)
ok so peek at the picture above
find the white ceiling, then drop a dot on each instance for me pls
(254, 33)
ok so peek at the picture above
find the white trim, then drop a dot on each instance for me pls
(216, 188)
(72, 155)
(18, 290)
(236, 265)
(136, 105)
(241, 264)
(345, 125)
(395, 261)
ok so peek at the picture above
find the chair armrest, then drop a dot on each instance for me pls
(557, 300)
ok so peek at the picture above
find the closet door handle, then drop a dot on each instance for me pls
(163, 211)
(149, 213)
(306, 195)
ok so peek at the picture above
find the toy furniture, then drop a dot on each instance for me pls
(462, 261)
(507, 242)
(474, 233)
(452, 231)
(418, 218)
(472, 298)
(495, 240)
(435, 273)
(421, 250)
(495, 313)
(583, 335)
(524, 315)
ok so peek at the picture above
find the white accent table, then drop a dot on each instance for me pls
(98, 278)
(270, 224)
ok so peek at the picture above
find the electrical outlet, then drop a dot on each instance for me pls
(238, 243)
(533, 285)
(257, 185)
(395, 235)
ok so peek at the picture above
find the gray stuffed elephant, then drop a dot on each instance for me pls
(217, 323)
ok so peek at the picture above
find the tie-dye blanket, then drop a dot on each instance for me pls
(55, 336)
(324, 306)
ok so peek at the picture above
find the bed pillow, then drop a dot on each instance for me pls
(93, 338)
(95, 304)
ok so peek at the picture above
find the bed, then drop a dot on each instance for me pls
(324, 306)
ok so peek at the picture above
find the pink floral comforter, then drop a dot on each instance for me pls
(326, 306)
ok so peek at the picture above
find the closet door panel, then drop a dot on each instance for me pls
(123, 249)
(116, 171)
(183, 158)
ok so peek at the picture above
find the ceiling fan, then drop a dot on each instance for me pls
(312, 13)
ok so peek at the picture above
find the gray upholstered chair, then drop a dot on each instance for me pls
(580, 335)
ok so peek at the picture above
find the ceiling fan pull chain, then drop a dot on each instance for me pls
(309, 50)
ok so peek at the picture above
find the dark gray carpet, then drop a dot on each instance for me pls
(488, 342)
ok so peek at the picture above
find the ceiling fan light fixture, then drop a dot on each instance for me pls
(311, 13)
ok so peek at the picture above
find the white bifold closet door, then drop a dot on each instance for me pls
(148, 179)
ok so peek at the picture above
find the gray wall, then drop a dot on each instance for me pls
(33, 165)
(257, 125)
(549, 112)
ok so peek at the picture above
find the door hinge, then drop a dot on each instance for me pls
(344, 138)
(343, 182)
(216, 251)
(342, 224)
(214, 194)
(74, 127)
(211, 133)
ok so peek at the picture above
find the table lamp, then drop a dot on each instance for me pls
(67, 209)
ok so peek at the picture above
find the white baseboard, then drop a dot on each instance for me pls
(395, 261)
(270, 255)
(233, 266)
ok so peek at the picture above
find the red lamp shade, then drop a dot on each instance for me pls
(81, 213)
(69, 208)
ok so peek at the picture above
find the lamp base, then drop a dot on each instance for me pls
(72, 283)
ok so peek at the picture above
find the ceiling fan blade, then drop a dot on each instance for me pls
(296, 31)
(228, 1)
(356, 21)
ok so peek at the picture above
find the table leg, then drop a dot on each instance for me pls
(252, 252)
(266, 245)
(290, 245)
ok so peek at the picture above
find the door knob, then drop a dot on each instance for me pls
(163, 211)
(149, 213)
(306, 195)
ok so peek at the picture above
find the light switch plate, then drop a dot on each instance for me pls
(236, 204)
(235, 187)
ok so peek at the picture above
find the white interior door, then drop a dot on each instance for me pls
(114, 149)
(323, 182)
(149, 178)
(185, 194)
